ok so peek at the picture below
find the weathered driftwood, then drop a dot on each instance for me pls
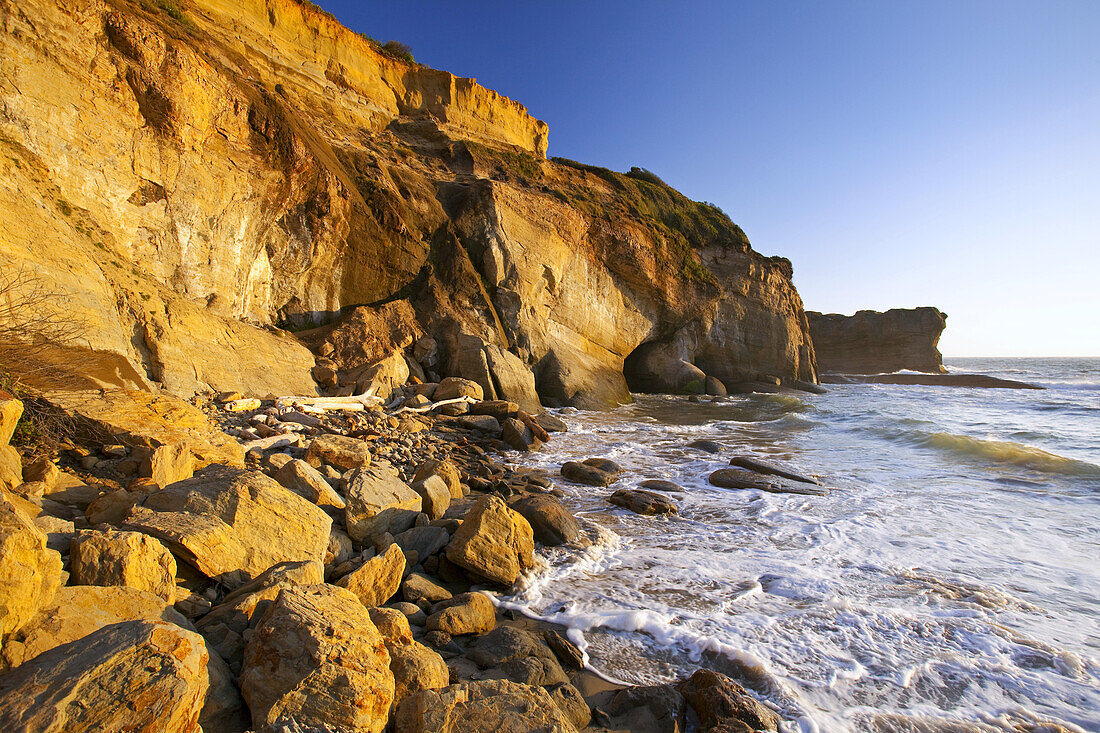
(318, 405)
(434, 405)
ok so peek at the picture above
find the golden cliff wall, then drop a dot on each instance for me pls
(185, 181)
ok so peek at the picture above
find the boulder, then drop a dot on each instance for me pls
(149, 420)
(650, 707)
(11, 468)
(500, 409)
(11, 410)
(551, 423)
(659, 368)
(486, 706)
(469, 613)
(739, 478)
(338, 450)
(643, 502)
(169, 463)
(378, 579)
(434, 495)
(425, 541)
(316, 657)
(445, 470)
(656, 484)
(59, 532)
(130, 559)
(135, 675)
(77, 611)
(551, 523)
(723, 705)
(571, 703)
(517, 655)
(418, 588)
(30, 573)
(44, 471)
(716, 387)
(493, 542)
(485, 423)
(112, 507)
(383, 377)
(271, 523)
(307, 482)
(567, 377)
(415, 667)
(379, 502)
(225, 625)
(752, 464)
(454, 387)
(583, 473)
(205, 543)
(340, 547)
(518, 435)
(512, 378)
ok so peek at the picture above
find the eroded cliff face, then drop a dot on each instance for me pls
(188, 180)
(871, 342)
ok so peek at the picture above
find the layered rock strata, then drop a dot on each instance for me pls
(871, 342)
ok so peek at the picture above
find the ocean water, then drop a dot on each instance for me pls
(952, 573)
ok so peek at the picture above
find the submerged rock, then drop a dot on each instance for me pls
(656, 484)
(739, 478)
(643, 502)
(488, 706)
(751, 464)
(592, 471)
(723, 705)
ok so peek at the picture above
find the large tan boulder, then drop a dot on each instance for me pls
(487, 706)
(30, 574)
(338, 451)
(169, 463)
(383, 377)
(11, 410)
(415, 667)
(379, 502)
(568, 377)
(468, 613)
(271, 523)
(131, 559)
(136, 675)
(150, 420)
(494, 542)
(378, 579)
(445, 470)
(316, 657)
(11, 468)
(225, 625)
(454, 387)
(513, 379)
(204, 542)
(308, 483)
(78, 610)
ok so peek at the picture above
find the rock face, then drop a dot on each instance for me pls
(871, 342)
(137, 675)
(188, 180)
(317, 657)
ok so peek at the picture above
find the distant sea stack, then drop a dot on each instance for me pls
(871, 342)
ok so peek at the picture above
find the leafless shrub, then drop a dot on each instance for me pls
(35, 328)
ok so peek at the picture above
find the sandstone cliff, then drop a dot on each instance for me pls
(190, 177)
(871, 342)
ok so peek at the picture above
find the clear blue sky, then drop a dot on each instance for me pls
(899, 153)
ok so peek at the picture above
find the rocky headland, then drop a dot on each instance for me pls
(873, 342)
